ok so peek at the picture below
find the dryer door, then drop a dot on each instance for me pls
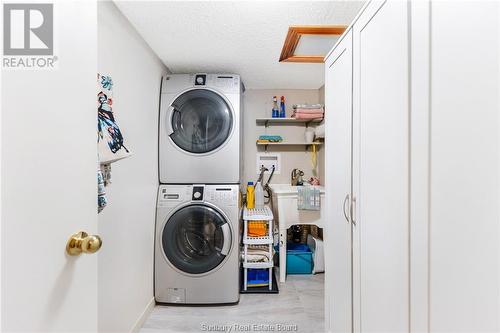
(196, 239)
(201, 121)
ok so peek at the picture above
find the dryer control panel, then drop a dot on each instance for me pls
(225, 83)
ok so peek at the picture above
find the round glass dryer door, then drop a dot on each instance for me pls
(201, 121)
(196, 239)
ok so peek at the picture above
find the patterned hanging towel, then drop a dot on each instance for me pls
(101, 192)
(111, 146)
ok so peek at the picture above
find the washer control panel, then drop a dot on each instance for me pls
(224, 195)
(221, 194)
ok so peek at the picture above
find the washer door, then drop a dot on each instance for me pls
(196, 239)
(201, 121)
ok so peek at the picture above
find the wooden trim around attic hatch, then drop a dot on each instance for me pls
(293, 37)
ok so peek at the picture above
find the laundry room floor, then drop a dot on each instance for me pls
(300, 302)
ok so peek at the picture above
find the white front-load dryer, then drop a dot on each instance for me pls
(197, 245)
(200, 129)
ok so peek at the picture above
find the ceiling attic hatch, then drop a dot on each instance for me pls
(310, 43)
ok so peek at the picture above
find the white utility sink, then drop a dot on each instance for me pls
(290, 189)
(287, 214)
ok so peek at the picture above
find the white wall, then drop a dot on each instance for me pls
(126, 225)
(258, 104)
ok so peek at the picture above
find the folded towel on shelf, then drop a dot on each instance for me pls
(308, 111)
(270, 138)
(308, 106)
(316, 110)
(299, 115)
(257, 257)
(257, 253)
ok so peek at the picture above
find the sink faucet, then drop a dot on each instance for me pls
(296, 177)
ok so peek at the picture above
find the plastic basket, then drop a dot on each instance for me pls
(257, 277)
(298, 259)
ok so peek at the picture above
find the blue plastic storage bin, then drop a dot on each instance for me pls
(257, 276)
(298, 259)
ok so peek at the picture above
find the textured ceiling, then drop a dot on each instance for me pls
(242, 37)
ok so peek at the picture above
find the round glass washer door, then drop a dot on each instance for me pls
(201, 121)
(196, 239)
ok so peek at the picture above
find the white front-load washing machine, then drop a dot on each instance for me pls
(197, 245)
(200, 129)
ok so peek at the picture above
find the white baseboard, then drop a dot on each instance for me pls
(144, 315)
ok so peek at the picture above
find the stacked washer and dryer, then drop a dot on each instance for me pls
(197, 219)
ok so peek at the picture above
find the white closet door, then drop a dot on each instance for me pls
(464, 228)
(338, 120)
(380, 168)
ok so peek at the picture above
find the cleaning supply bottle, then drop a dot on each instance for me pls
(250, 196)
(276, 111)
(259, 196)
(282, 107)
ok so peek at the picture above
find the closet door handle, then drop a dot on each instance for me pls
(353, 210)
(81, 242)
(346, 200)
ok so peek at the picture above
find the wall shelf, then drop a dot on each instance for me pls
(289, 143)
(306, 144)
(267, 121)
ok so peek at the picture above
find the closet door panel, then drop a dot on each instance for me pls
(338, 100)
(464, 226)
(380, 167)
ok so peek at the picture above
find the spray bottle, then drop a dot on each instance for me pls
(282, 107)
(276, 112)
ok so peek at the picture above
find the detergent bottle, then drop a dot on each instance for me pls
(259, 196)
(250, 196)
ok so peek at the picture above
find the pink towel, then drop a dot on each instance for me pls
(301, 115)
(318, 110)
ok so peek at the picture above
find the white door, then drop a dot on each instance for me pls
(464, 226)
(338, 100)
(49, 184)
(380, 168)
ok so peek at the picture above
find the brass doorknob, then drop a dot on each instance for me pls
(82, 242)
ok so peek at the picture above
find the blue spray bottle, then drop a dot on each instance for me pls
(282, 107)
(276, 111)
